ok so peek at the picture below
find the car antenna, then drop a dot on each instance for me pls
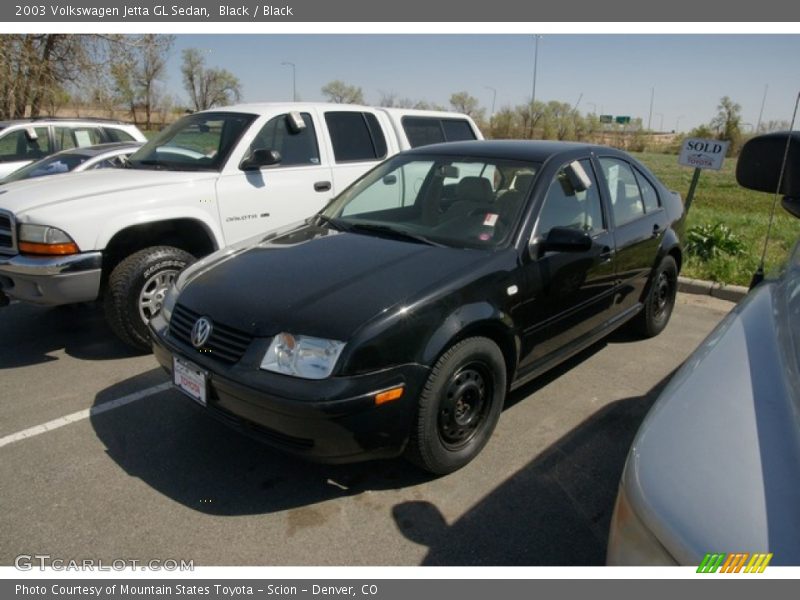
(758, 276)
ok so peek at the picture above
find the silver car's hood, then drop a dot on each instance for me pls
(715, 466)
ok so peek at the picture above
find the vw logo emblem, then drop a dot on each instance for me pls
(201, 332)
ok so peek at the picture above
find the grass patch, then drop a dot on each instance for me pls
(719, 198)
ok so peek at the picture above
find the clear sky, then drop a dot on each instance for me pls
(611, 74)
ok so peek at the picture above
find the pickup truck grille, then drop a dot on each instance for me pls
(8, 241)
(226, 343)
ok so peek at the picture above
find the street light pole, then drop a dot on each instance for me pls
(761, 112)
(494, 97)
(533, 89)
(661, 121)
(294, 78)
(650, 116)
(678, 123)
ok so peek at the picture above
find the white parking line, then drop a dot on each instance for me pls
(82, 414)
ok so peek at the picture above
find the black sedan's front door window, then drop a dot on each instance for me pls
(569, 294)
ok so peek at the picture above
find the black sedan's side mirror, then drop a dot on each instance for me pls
(260, 157)
(562, 239)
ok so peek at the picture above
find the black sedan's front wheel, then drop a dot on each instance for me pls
(459, 407)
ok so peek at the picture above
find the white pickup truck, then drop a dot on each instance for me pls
(209, 180)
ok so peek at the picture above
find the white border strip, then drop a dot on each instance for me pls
(82, 414)
(327, 28)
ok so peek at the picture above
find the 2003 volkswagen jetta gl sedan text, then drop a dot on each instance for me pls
(396, 320)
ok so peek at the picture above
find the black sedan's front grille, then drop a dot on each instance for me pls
(225, 343)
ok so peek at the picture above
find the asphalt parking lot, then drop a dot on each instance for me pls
(136, 472)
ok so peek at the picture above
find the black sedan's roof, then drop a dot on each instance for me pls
(525, 150)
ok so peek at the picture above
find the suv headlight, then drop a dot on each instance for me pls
(302, 356)
(42, 239)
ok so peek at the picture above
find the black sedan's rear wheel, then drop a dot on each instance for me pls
(660, 299)
(459, 407)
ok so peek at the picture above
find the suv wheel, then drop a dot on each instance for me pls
(660, 299)
(459, 406)
(136, 289)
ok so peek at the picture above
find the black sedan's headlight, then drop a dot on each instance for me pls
(302, 356)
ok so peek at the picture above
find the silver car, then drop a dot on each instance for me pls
(715, 466)
(101, 156)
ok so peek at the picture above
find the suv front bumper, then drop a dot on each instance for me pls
(51, 280)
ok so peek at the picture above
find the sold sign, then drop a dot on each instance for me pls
(703, 154)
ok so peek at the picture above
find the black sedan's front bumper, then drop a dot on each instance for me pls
(329, 420)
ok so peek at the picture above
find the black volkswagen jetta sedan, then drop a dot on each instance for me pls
(397, 319)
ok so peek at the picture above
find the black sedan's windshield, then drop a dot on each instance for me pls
(454, 201)
(199, 142)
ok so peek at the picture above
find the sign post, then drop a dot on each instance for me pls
(701, 154)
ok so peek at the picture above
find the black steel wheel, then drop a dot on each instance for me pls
(459, 406)
(660, 300)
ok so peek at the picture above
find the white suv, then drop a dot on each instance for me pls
(23, 141)
(211, 179)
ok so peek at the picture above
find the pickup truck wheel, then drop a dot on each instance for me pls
(136, 289)
(459, 406)
(660, 300)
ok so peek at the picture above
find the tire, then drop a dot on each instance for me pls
(660, 300)
(136, 288)
(459, 406)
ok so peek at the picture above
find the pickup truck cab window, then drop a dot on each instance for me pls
(355, 136)
(422, 131)
(295, 147)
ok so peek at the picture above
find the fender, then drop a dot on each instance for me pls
(669, 242)
(479, 318)
(123, 221)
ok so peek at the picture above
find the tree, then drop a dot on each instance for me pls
(36, 68)
(341, 93)
(153, 51)
(558, 120)
(502, 124)
(208, 87)
(124, 87)
(464, 103)
(701, 131)
(773, 125)
(728, 123)
(530, 115)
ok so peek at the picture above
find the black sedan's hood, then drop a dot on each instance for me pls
(322, 283)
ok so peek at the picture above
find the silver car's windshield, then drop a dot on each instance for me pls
(448, 200)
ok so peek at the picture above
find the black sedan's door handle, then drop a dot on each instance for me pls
(656, 229)
(322, 186)
(606, 254)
